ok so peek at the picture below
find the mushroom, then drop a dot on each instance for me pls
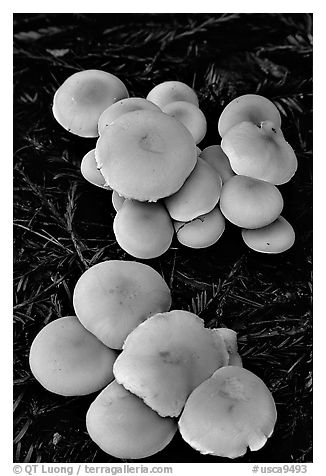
(142, 229)
(68, 360)
(111, 298)
(146, 155)
(230, 339)
(249, 107)
(231, 410)
(275, 238)
(202, 231)
(90, 172)
(260, 151)
(117, 200)
(123, 426)
(122, 107)
(198, 195)
(215, 156)
(250, 203)
(190, 116)
(166, 357)
(171, 91)
(81, 99)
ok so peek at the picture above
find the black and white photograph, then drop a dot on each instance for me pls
(162, 217)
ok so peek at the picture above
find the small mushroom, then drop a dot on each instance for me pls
(68, 360)
(142, 229)
(198, 195)
(90, 172)
(231, 410)
(166, 357)
(190, 116)
(122, 107)
(260, 151)
(123, 426)
(230, 339)
(81, 99)
(202, 231)
(275, 238)
(249, 107)
(146, 155)
(215, 156)
(111, 298)
(171, 91)
(117, 200)
(250, 203)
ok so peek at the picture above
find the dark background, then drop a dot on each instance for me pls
(63, 224)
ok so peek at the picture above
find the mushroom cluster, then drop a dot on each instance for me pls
(147, 155)
(158, 370)
(261, 159)
(162, 184)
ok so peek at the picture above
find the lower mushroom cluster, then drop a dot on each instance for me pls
(170, 367)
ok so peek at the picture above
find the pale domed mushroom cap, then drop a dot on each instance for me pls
(230, 339)
(171, 91)
(275, 238)
(142, 229)
(215, 156)
(249, 107)
(122, 107)
(146, 155)
(90, 172)
(190, 116)
(198, 195)
(250, 203)
(68, 360)
(123, 426)
(227, 413)
(117, 200)
(111, 298)
(201, 232)
(260, 152)
(81, 99)
(166, 357)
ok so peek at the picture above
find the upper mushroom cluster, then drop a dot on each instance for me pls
(154, 365)
(161, 182)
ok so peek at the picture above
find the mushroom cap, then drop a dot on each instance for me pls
(275, 238)
(166, 357)
(122, 107)
(250, 203)
(260, 152)
(146, 155)
(111, 298)
(143, 229)
(68, 360)
(202, 231)
(215, 156)
(123, 426)
(249, 107)
(190, 116)
(81, 99)
(198, 195)
(90, 172)
(117, 200)
(230, 339)
(171, 91)
(228, 412)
